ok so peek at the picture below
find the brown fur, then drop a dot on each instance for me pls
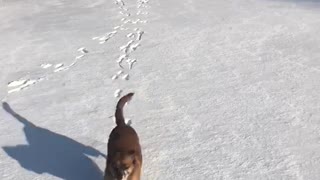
(124, 151)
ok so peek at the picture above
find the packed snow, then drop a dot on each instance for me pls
(223, 89)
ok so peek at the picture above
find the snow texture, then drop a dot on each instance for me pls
(223, 89)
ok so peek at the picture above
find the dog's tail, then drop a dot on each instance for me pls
(119, 109)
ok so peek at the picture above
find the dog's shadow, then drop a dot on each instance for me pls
(52, 153)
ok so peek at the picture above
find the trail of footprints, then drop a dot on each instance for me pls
(25, 83)
(134, 41)
(135, 37)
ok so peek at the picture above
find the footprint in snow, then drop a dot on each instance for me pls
(128, 122)
(119, 72)
(105, 37)
(114, 77)
(140, 33)
(126, 47)
(121, 58)
(125, 77)
(130, 35)
(136, 21)
(119, 2)
(80, 56)
(135, 46)
(22, 84)
(117, 93)
(131, 62)
(59, 67)
(46, 66)
(116, 27)
(17, 83)
(83, 50)
(143, 13)
(123, 8)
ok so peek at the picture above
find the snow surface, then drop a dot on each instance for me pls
(223, 89)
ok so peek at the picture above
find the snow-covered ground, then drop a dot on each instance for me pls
(224, 89)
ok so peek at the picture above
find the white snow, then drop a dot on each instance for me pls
(223, 89)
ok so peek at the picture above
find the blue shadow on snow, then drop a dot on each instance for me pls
(52, 153)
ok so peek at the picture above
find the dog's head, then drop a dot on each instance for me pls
(123, 164)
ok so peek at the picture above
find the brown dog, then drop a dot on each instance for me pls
(124, 159)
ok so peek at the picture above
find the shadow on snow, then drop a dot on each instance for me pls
(52, 153)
